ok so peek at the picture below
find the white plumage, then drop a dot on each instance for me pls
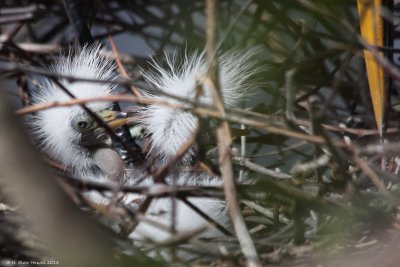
(185, 218)
(167, 129)
(53, 126)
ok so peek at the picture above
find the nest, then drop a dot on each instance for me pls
(324, 182)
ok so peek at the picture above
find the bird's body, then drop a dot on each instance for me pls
(70, 136)
(186, 220)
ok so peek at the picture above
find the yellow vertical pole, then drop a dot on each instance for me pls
(371, 25)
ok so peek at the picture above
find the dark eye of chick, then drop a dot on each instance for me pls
(82, 122)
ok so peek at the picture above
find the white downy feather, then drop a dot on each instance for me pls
(185, 218)
(169, 129)
(52, 126)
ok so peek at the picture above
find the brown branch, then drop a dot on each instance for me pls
(224, 140)
(121, 68)
(258, 168)
(200, 110)
(158, 191)
(374, 178)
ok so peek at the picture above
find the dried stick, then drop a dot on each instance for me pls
(374, 178)
(224, 140)
(17, 67)
(77, 19)
(200, 110)
(121, 68)
(258, 168)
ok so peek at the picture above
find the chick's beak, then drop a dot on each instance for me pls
(113, 119)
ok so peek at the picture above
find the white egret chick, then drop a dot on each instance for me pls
(72, 137)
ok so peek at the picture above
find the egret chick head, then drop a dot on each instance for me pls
(65, 133)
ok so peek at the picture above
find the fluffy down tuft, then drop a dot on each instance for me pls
(168, 128)
(186, 218)
(52, 126)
